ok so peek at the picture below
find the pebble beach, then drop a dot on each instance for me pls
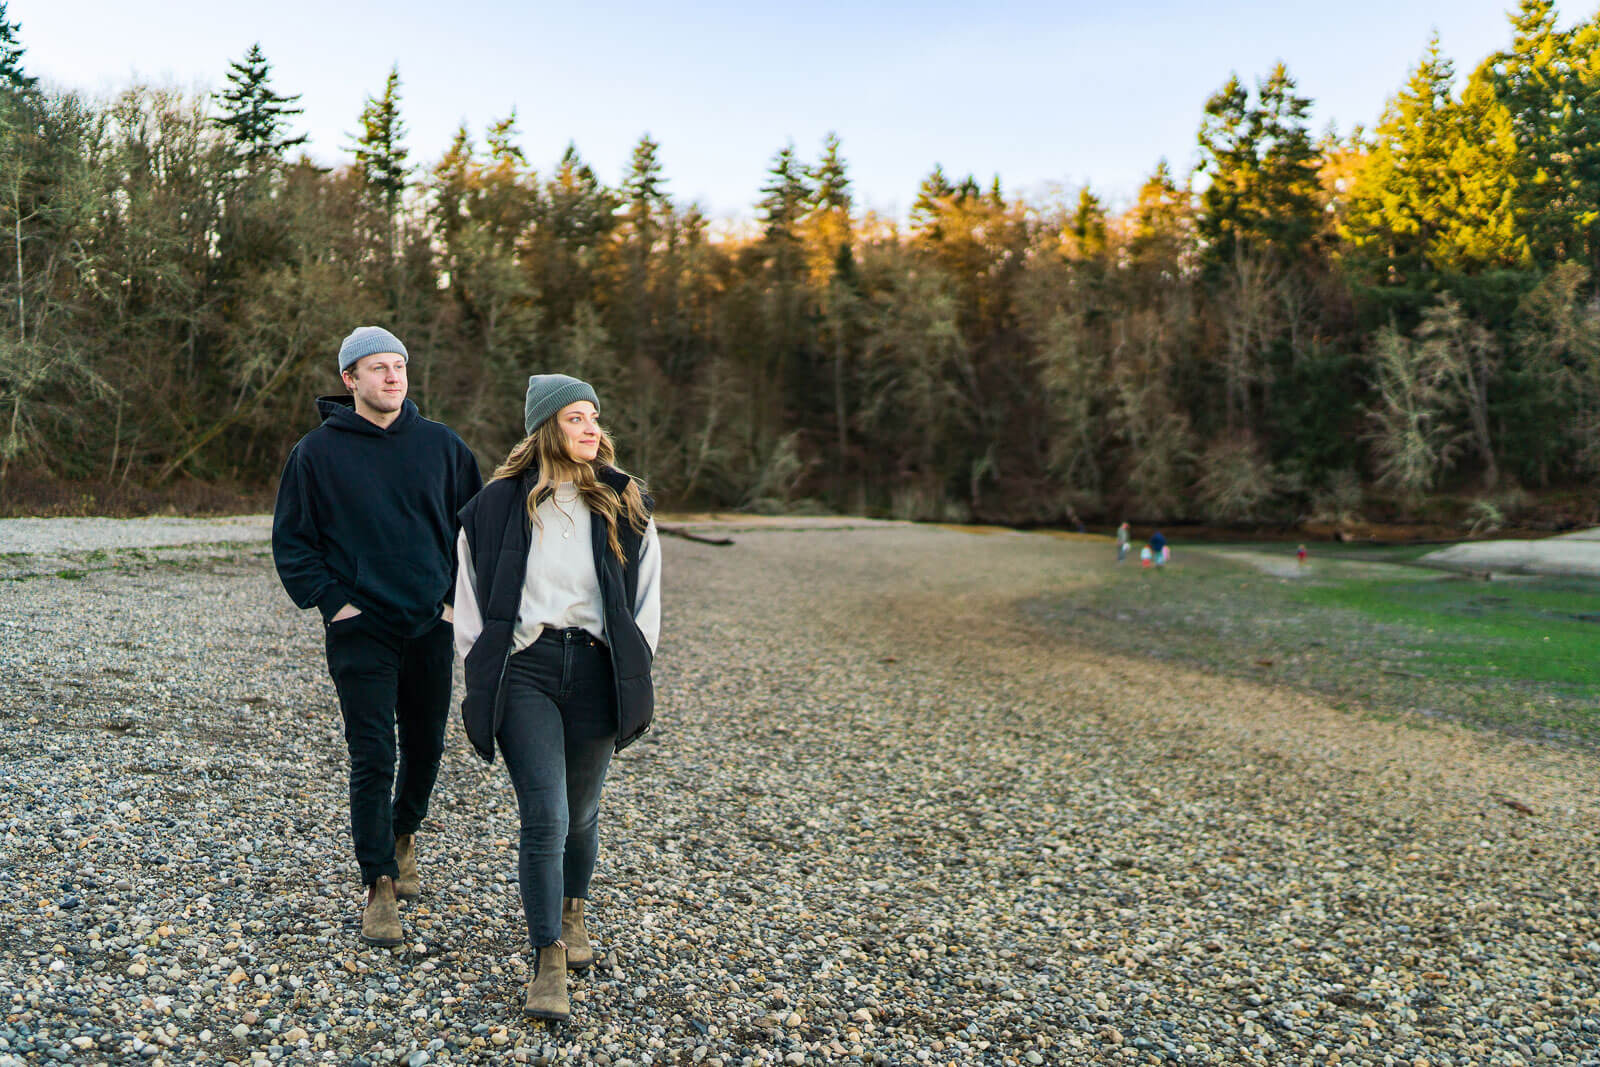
(885, 817)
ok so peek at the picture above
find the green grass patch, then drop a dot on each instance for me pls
(1363, 628)
(1539, 632)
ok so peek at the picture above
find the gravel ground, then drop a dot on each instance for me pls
(884, 818)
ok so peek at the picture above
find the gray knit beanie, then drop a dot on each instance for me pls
(549, 393)
(368, 341)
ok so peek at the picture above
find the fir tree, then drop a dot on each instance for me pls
(1549, 83)
(1088, 226)
(380, 155)
(784, 197)
(1437, 191)
(503, 147)
(255, 115)
(831, 182)
(933, 199)
(645, 191)
(12, 76)
(1261, 170)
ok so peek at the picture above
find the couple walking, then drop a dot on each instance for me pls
(546, 581)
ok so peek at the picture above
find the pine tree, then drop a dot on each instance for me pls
(255, 115)
(12, 76)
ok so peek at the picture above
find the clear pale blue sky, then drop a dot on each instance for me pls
(1041, 93)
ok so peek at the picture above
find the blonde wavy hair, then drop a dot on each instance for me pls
(546, 449)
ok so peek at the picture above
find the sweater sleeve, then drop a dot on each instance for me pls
(297, 548)
(468, 619)
(647, 605)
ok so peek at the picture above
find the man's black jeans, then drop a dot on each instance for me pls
(389, 684)
(559, 729)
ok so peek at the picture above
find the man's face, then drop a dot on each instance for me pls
(378, 382)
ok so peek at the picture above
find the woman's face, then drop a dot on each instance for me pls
(580, 422)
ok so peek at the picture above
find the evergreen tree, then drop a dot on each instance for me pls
(1549, 82)
(379, 151)
(827, 227)
(1403, 186)
(644, 190)
(255, 115)
(784, 197)
(452, 187)
(12, 76)
(1087, 227)
(574, 218)
(502, 140)
(1261, 170)
(1438, 190)
(933, 198)
(831, 191)
(1161, 228)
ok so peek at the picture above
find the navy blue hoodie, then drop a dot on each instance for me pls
(366, 515)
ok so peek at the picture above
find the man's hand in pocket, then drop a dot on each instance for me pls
(349, 611)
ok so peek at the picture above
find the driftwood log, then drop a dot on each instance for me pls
(676, 531)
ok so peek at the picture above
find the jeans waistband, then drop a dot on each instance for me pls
(574, 635)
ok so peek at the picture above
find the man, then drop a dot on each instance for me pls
(365, 530)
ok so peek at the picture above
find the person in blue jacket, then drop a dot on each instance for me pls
(364, 530)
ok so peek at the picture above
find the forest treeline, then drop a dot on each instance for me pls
(1308, 326)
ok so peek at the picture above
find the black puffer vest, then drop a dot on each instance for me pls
(499, 534)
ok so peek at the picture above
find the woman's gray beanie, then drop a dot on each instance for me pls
(549, 393)
(368, 341)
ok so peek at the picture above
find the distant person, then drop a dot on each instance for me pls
(1146, 557)
(1300, 555)
(364, 530)
(1124, 540)
(558, 598)
(1159, 549)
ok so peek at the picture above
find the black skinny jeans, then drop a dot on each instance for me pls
(557, 735)
(389, 684)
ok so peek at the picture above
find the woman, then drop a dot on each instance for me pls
(557, 612)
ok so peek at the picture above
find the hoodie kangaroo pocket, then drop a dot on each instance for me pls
(407, 583)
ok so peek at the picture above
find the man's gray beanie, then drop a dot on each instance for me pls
(368, 341)
(549, 393)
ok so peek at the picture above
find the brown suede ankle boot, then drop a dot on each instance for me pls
(547, 990)
(380, 920)
(408, 885)
(580, 953)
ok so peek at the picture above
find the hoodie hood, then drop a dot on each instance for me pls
(339, 412)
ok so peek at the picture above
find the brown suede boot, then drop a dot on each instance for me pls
(408, 884)
(380, 921)
(547, 990)
(580, 953)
